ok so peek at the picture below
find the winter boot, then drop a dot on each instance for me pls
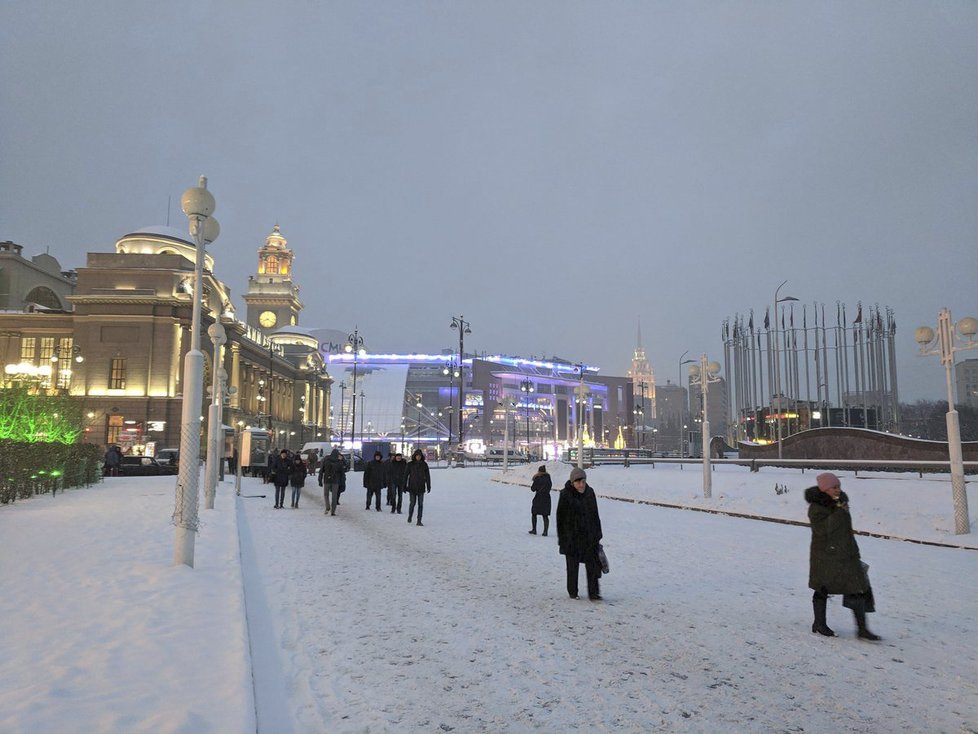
(862, 631)
(546, 525)
(819, 603)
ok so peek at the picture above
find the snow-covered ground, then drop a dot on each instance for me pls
(364, 623)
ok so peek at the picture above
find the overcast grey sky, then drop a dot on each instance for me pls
(551, 170)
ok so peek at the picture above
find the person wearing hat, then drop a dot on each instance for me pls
(540, 487)
(834, 563)
(579, 533)
(375, 478)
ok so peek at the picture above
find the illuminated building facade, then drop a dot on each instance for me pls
(129, 319)
(533, 405)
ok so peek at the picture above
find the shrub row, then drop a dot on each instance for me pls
(27, 469)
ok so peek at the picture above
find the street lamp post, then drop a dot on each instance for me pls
(458, 322)
(682, 405)
(506, 404)
(703, 374)
(340, 428)
(450, 370)
(777, 364)
(198, 204)
(951, 338)
(420, 408)
(362, 396)
(581, 391)
(526, 387)
(218, 337)
(57, 355)
(354, 346)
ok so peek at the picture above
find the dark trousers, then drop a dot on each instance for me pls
(296, 491)
(546, 522)
(398, 498)
(279, 495)
(419, 498)
(593, 570)
(371, 493)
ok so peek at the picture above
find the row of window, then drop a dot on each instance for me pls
(41, 350)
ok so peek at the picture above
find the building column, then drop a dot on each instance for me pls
(235, 401)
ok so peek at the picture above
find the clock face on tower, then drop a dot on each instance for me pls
(267, 319)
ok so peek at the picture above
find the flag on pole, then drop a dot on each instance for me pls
(767, 317)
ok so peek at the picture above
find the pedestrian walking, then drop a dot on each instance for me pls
(279, 471)
(387, 474)
(541, 486)
(835, 566)
(418, 482)
(579, 533)
(112, 460)
(332, 475)
(297, 478)
(397, 479)
(374, 478)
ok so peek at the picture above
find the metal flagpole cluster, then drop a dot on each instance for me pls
(789, 374)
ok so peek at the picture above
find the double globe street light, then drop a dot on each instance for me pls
(704, 374)
(951, 338)
(459, 323)
(198, 205)
(354, 346)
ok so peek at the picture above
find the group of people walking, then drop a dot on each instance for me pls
(287, 469)
(394, 474)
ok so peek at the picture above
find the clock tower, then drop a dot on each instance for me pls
(272, 298)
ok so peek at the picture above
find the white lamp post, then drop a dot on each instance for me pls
(218, 337)
(581, 391)
(703, 374)
(777, 365)
(682, 406)
(951, 338)
(354, 346)
(198, 204)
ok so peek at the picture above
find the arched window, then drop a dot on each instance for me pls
(44, 296)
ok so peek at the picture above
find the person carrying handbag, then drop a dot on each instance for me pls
(579, 533)
(834, 563)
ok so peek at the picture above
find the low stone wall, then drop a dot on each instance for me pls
(855, 444)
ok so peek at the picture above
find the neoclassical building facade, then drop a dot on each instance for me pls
(118, 340)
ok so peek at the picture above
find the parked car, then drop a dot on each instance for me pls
(168, 457)
(141, 466)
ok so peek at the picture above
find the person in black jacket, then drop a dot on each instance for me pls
(541, 486)
(279, 472)
(418, 482)
(375, 478)
(396, 477)
(297, 478)
(834, 563)
(332, 478)
(579, 532)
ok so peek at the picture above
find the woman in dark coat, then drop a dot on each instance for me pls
(541, 487)
(579, 532)
(834, 563)
(418, 482)
(297, 478)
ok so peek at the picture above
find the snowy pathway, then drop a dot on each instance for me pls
(464, 624)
